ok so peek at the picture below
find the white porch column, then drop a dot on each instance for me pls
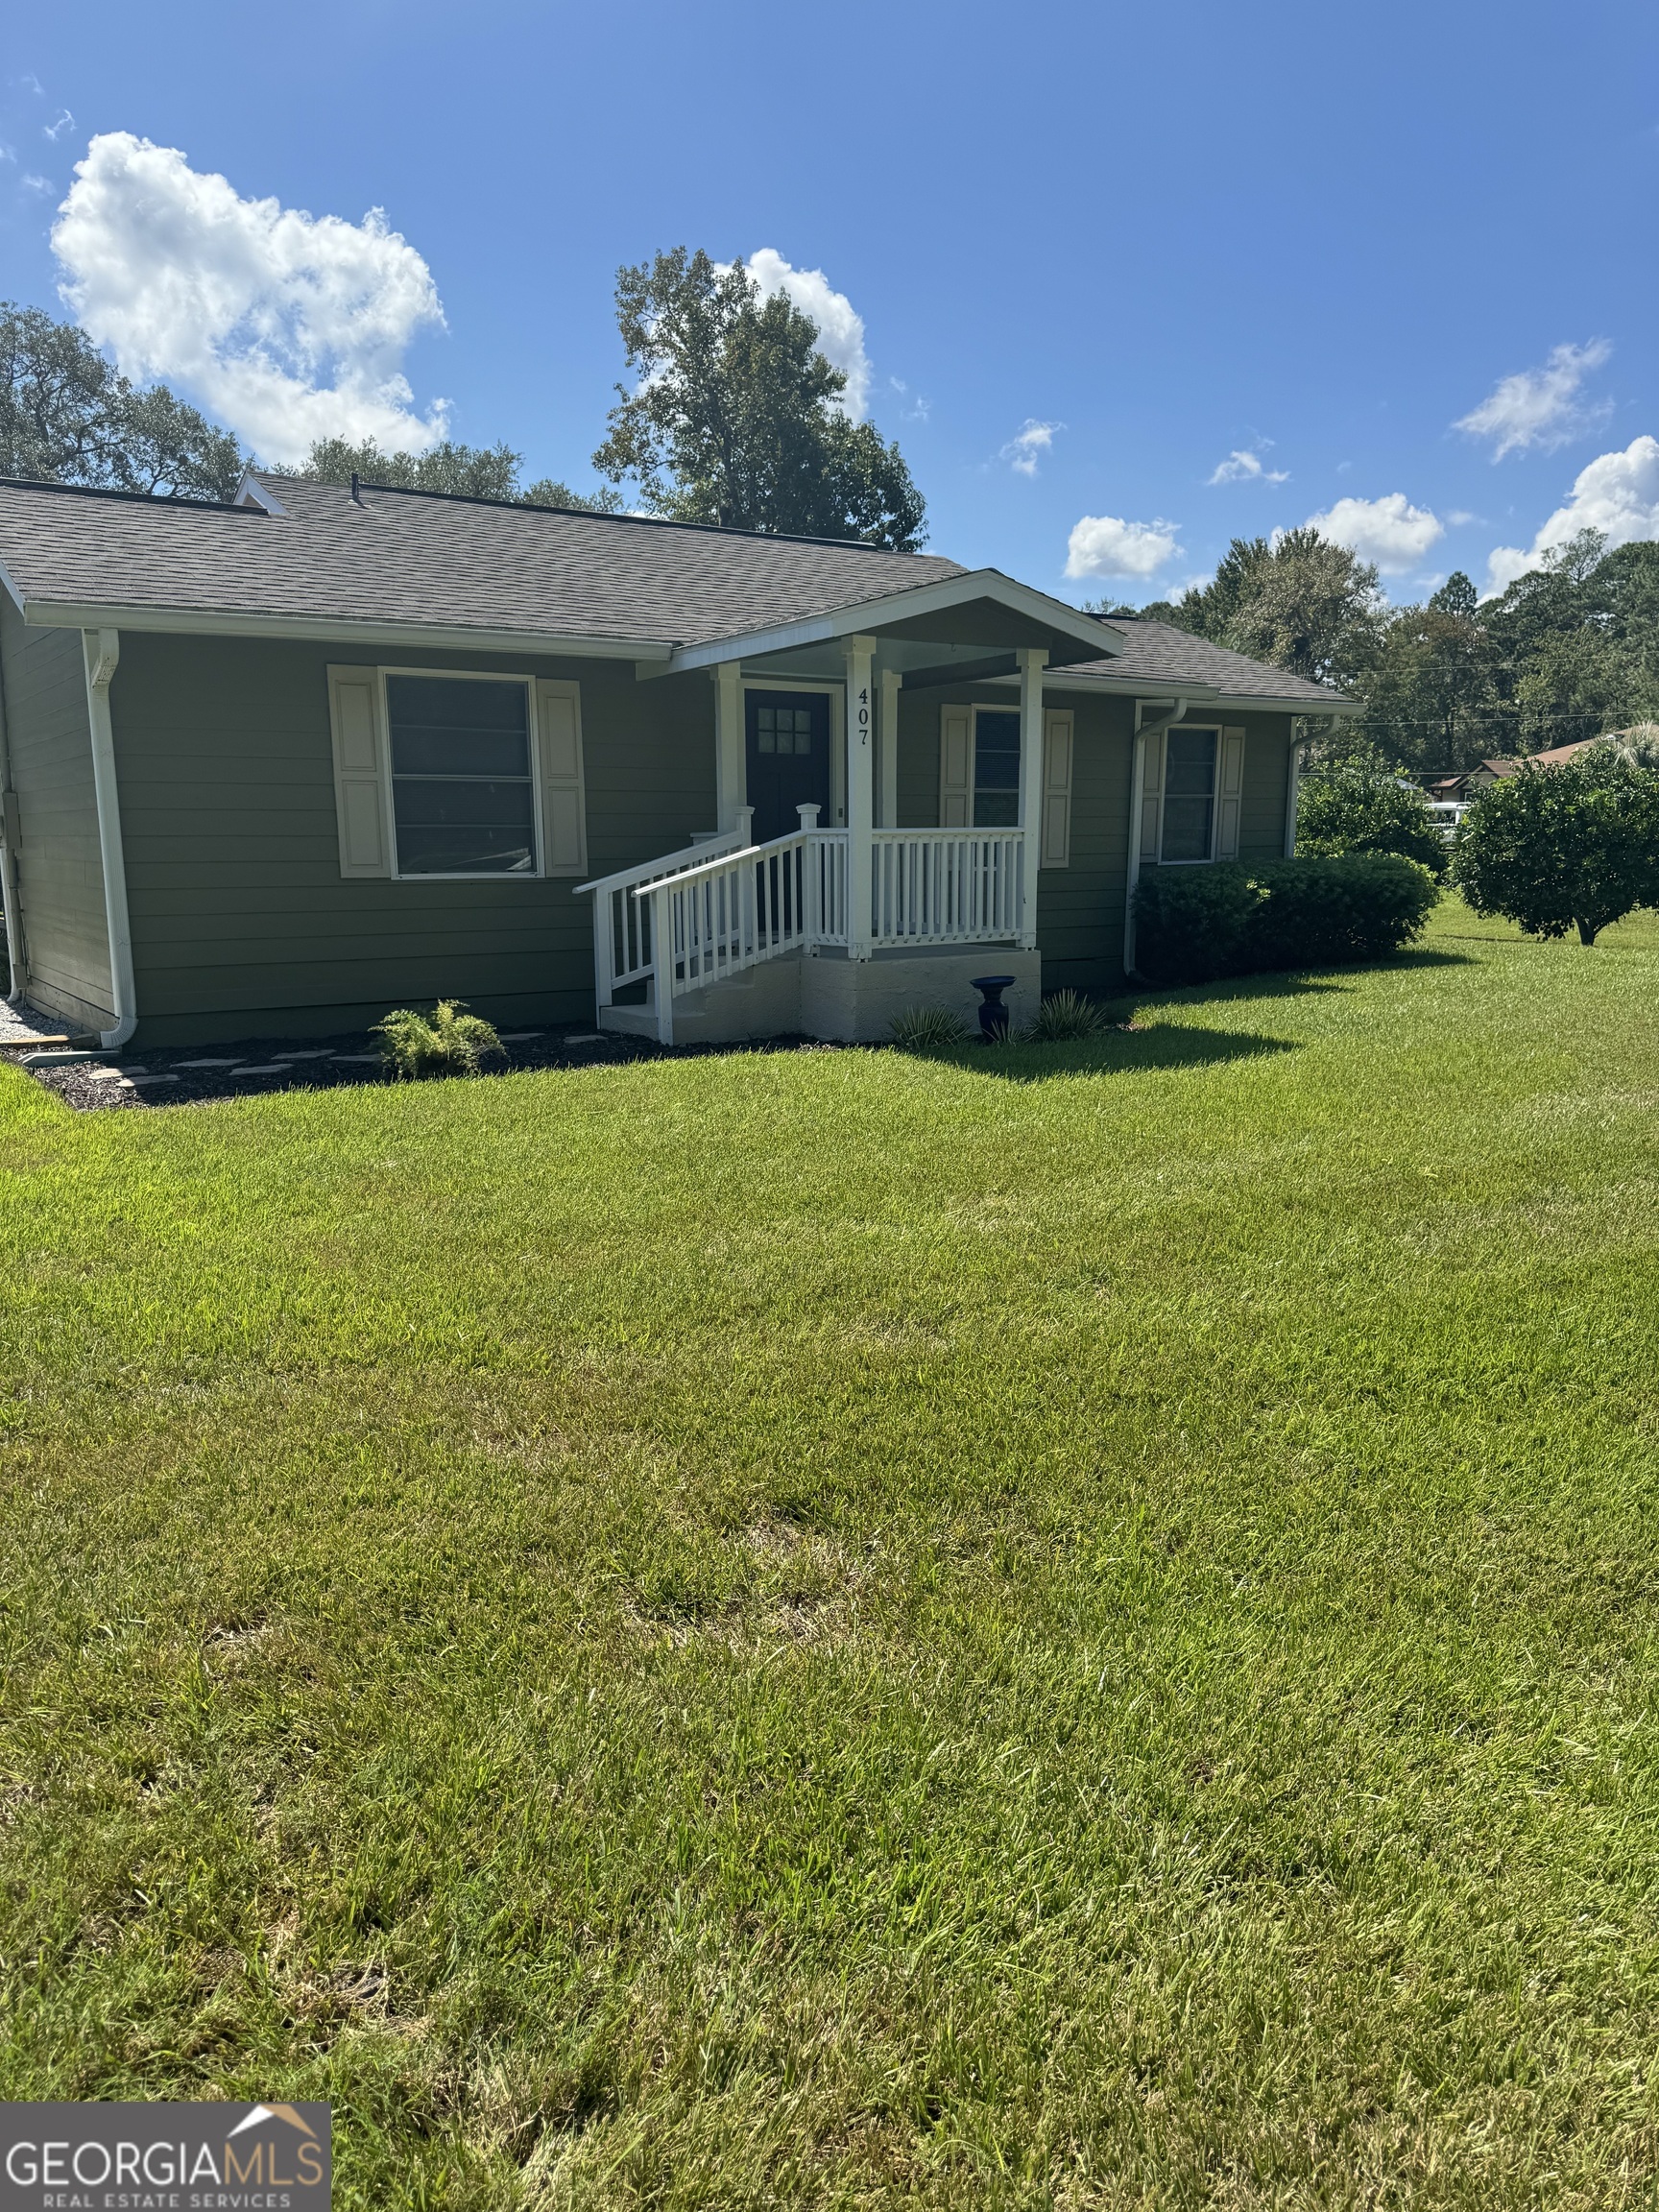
(731, 747)
(860, 652)
(1032, 660)
(887, 814)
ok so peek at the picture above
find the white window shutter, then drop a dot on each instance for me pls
(360, 808)
(1229, 797)
(955, 767)
(1057, 739)
(563, 799)
(1152, 794)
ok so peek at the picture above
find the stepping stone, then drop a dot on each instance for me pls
(152, 1078)
(517, 1036)
(355, 1058)
(105, 1075)
(206, 1063)
(322, 1052)
(586, 1037)
(274, 1068)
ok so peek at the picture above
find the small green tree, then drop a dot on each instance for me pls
(734, 416)
(1361, 803)
(1569, 847)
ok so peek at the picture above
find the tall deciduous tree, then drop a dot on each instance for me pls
(734, 419)
(66, 417)
(1296, 600)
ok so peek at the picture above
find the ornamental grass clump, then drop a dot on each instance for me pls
(1062, 1017)
(447, 1042)
(927, 1029)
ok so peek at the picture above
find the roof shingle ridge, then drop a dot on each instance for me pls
(599, 515)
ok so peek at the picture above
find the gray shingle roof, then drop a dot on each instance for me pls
(1157, 653)
(404, 556)
(412, 558)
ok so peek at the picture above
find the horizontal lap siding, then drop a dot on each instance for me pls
(242, 922)
(1080, 907)
(60, 864)
(1266, 775)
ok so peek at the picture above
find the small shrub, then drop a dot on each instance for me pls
(1062, 1016)
(927, 1029)
(447, 1042)
(1193, 924)
(1363, 805)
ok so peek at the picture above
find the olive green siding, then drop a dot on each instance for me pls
(60, 867)
(1080, 908)
(242, 924)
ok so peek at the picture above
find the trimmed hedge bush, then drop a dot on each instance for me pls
(1193, 924)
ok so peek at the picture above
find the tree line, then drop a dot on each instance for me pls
(735, 418)
(1570, 651)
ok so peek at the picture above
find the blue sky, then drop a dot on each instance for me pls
(1314, 237)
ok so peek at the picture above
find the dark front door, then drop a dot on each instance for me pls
(788, 733)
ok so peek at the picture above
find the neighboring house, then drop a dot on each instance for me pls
(1463, 786)
(273, 767)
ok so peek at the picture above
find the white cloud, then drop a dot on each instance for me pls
(840, 326)
(1390, 531)
(913, 406)
(62, 121)
(1027, 445)
(287, 326)
(1540, 407)
(1247, 468)
(1618, 495)
(1103, 545)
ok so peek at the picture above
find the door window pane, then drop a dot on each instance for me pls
(462, 794)
(1189, 794)
(996, 771)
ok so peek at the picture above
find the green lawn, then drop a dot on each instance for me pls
(1067, 1627)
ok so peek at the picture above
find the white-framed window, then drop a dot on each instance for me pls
(979, 782)
(1192, 781)
(444, 773)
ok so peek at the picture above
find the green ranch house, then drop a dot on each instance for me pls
(272, 767)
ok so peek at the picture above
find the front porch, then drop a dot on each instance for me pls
(830, 927)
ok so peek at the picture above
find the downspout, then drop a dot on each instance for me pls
(11, 904)
(1145, 726)
(102, 650)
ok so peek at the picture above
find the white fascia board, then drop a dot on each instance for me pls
(1189, 687)
(188, 622)
(921, 599)
(16, 596)
(254, 492)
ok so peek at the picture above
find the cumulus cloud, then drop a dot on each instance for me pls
(1247, 468)
(287, 326)
(1029, 445)
(840, 326)
(1618, 495)
(1540, 407)
(1390, 531)
(1104, 546)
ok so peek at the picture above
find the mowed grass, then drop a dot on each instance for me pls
(1069, 1627)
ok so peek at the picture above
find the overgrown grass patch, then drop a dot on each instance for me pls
(1060, 1626)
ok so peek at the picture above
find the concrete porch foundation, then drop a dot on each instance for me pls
(841, 1001)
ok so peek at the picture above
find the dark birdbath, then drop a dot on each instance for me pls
(993, 1014)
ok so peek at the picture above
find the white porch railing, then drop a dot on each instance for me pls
(946, 886)
(712, 910)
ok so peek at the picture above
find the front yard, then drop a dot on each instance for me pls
(1063, 1627)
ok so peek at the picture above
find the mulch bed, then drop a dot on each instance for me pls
(193, 1074)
